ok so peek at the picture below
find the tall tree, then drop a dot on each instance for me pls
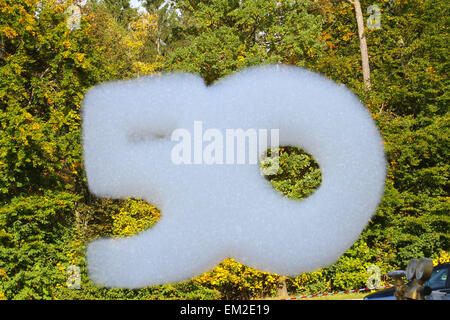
(362, 40)
(224, 36)
(121, 10)
(168, 20)
(362, 43)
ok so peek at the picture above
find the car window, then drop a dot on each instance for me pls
(438, 279)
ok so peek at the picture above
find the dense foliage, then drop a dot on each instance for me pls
(47, 215)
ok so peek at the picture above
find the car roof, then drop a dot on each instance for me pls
(442, 265)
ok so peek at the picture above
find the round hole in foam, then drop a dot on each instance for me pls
(298, 175)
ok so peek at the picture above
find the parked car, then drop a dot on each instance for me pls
(439, 283)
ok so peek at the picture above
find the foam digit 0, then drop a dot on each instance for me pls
(210, 212)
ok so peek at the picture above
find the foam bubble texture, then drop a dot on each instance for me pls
(210, 212)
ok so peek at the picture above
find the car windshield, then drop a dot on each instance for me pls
(438, 278)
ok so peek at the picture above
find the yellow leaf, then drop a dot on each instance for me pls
(9, 32)
(35, 126)
(80, 56)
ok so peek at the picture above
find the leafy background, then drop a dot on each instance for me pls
(47, 215)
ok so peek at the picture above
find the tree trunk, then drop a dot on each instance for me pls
(362, 43)
(282, 287)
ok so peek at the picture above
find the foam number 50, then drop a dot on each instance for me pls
(210, 212)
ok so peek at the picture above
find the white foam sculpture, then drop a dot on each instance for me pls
(210, 212)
